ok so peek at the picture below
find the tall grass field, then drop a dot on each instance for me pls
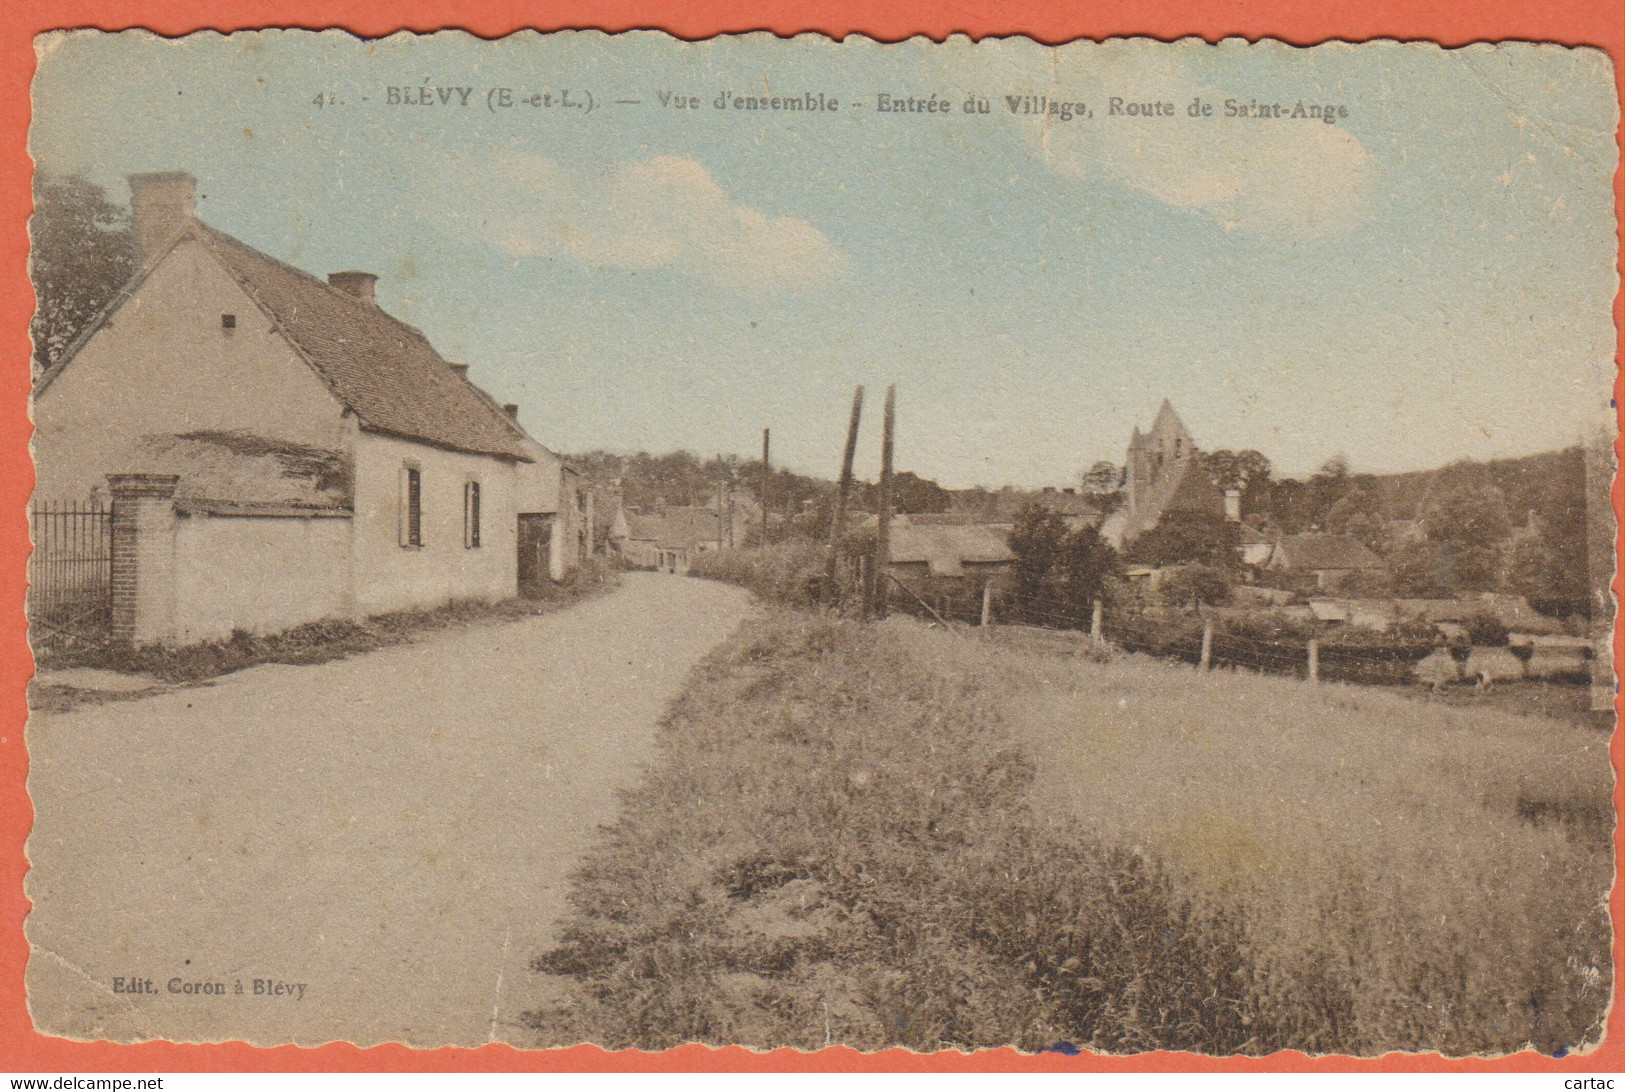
(890, 835)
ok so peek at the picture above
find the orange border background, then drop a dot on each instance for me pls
(1301, 22)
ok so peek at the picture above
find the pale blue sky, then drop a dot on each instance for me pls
(1429, 278)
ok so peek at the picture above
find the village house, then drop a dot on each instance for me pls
(947, 565)
(1327, 560)
(278, 449)
(554, 507)
(670, 539)
(1255, 546)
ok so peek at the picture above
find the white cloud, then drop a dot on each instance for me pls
(662, 212)
(1291, 176)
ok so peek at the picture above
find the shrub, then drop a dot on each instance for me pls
(1201, 584)
(1486, 630)
(786, 572)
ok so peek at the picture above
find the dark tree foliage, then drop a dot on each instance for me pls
(1246, 470)
(1465, 518)
(1084, 567)
(1183, 537)
(1102, 478)
(83, 253)
(1059, 573)
(1196, 585)
(912, 494)
(1036, 541)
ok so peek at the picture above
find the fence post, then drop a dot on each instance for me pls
(987, 603)
(1314, 660)
(1207, 644)
(143, 549)
(1094, 623)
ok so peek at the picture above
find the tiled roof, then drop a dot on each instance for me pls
(677, 528)
(1316, 551)
(385, 371)
(946, 549)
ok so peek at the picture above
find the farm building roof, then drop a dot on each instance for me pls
(675, 528)
(1321, 551)
(1252, 536)
(947, 549)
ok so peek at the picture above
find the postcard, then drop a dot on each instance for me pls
(588, 538)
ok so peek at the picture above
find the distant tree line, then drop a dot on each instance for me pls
(1508, 525)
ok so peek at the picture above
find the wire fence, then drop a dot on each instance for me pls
(1222, 640)
(1215, 643)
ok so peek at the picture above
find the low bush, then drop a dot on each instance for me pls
(786, 572)
(1486, 631)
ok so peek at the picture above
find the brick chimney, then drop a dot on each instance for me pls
(461, 370)
(363, 286)
(511, 409)
(163, 205)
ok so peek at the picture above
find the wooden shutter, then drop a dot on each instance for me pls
(411, 507)
(471, 514)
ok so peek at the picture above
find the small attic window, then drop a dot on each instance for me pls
(228, 322)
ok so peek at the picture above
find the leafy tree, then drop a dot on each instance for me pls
(1245, 470)
(1422, 570)
(1183, 537)
(1466, 517)
(1058, 573)
(914, 494)
(1036, 541)
(1102, 478)
(1084, 565)
(1193, 585)
(83, 252)
(1553, 579)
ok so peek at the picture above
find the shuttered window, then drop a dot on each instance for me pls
(471, 515)
(411, 522)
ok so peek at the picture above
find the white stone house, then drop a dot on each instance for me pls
(277, 448)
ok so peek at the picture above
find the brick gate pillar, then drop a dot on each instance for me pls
(143, 556)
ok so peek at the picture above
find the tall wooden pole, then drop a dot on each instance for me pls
(879, 593)
(720, 501)
(766, 435)
(837, 526)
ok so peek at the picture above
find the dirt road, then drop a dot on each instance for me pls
(371, 849)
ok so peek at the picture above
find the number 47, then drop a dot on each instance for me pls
(325, 98)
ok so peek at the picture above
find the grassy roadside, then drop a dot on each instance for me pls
(845, 839)
(312, 643)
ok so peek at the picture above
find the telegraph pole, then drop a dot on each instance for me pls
(837, 526)
(766, 435)
(877, 584)
(721, 486)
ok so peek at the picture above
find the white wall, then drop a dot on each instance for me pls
(260, 574)
(168, 339)
(536, 487)
(389, 576)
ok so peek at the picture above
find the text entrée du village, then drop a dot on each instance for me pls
(1021, 105)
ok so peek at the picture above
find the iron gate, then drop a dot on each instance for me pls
(70, 572)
